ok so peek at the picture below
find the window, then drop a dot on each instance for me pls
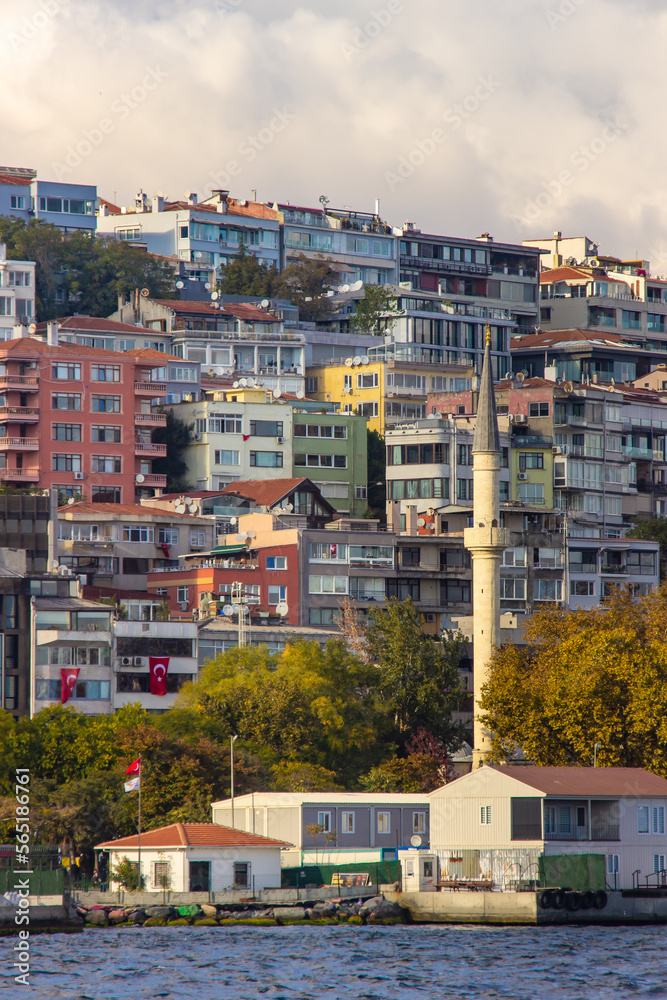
(16, 201)
(105, 404)
(266, 428)
(328, 585)
(324, 820)
(527, 819)
(321, 430)
(230, 423)
(277, 595)
(66, 463)
(241, 874)
(65, 401)
(419, 822)
(167, 536)
(582, 588)
(531, 460)
(658, 817)
(538, 409)
(643, 819)
(658, 863)
(613, 864)
(547, 590)
(105, 373)
(66, 432)
(360, 492)
(347, 822)
(182, 374)
(137, 533)
(531, 492)
(323, 616)
(321, 461)
(367, 380)
(515, 556)
(485, 815)
(106, 494)
(226, 458)
(325, 550)
(276, 562)
(464, 454)
(384, 822)
(512, 589)
(368, 409)
(311, 384)
(69, 373)
(267, 459)
(197, 538)
(182, 594)
(464, 489)
(106, 434)
(106, 463)
(161, 875)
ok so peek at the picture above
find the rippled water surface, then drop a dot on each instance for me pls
(363, 963)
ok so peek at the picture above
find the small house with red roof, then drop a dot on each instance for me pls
(200, 857)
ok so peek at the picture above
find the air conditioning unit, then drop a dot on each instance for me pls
(522, 475)
(126, 661)
(197, 437)
(279, 440)
(78, 475)
(520, 418)
(557, 450)
(183, 605)
(138, 661)
(430, 617)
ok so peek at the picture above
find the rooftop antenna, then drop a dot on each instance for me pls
(324, 201)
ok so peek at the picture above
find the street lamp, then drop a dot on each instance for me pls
(231, 766)
(595, 754)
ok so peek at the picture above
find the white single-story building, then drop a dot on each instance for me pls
(495, 822)
(200, 857)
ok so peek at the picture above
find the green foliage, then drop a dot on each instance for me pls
(125, 873)
(91, 270)
(585, 677)
(418, 677)
(246, 275)
(295, 776)
(377, 465)
(413, 774)
(177, 435)
(376, 313)
(305, 283)
(652, 529)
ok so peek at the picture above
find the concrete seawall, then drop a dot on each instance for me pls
(523, 908)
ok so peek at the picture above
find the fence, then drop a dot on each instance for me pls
(378, 872)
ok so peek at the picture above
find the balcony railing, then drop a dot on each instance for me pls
(30, 475)
(24, 382)
(21, 413)
(156, 387)
(155, 419)
(19, 444)
(612, 570)
(151, 479)
(147, 448)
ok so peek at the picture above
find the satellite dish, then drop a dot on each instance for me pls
(365, 360)
(265, 303)
(179, 508)
(289, 507)
(71, 501)
(416, 840)
(227, 610)
(197, 255)
(243, 382)
(348, 362)
(282, 609)
(357, 286)
(187, 500)
(180, 284)
(277, 393)
(235, 385)
(207, 286)
(356, 359)
(145, 292)
(214, 295)
(139, 478)
(250, 382)
(520, 377)
(421, 522)
(32, 328)
(193, 508)
(345, 288)
(242, 536)
(300, 394)
(250, 534)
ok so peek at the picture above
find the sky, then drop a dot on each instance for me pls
(513, 118)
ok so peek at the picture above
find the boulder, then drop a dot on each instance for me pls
(97, 917)
(385, 911)
(162, 912)
(288, 913)
(327, 912)
(118, 916)
(190, 910)
(208, 909)
(139, 917)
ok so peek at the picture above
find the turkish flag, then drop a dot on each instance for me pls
(135, 767)
(165, 550)
(68, 676)
(246, 437)
(158, 667)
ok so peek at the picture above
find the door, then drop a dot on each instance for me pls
(200, 876)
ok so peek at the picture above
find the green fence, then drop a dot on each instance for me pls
(378, 872)
(41, 883)
(573, 871)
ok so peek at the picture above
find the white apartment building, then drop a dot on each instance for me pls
(17, 293)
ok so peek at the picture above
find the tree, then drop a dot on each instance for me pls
(305, 283)
(126, 874)
(177, 435)
(246, 275)
(377, 465)
(584, 677)
(376, 312)
(418, 676)
(653, 529)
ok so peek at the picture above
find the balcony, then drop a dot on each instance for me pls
(19, 444)
(150, 388)
(148, 448)
(24, 383)
(25, 475)
(20, 413)
(150, 479)
(152, 419)
(612, 570)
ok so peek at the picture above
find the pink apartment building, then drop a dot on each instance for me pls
(80, 419)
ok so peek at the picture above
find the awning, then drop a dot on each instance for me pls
(228, 550)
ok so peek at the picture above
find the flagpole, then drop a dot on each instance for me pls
(139, 858)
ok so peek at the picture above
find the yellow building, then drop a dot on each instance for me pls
(391, 387)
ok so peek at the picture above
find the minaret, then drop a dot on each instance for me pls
(485, 542)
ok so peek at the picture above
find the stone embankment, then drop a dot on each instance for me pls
(377, 910)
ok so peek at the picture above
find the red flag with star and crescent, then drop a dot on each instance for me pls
(158, 668)
(68, 676)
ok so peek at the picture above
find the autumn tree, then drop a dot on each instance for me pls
(305, 282)
(584, 677)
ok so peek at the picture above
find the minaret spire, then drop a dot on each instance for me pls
(486, 542)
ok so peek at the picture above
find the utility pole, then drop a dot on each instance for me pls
(231, 764)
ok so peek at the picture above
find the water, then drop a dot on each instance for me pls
(355, 963)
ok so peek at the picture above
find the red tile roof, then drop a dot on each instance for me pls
(11, 179)
(574, 274)
(551, 338)
(253, 209)
(195, 494)
(113, 209)
(84, 324)
(241, 310)
(88, 507)
(264, 492)
(150, 354)
(194, 835)
(31, 345)
(616, 781)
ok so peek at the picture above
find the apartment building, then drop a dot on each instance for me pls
(244, 430)
(118, 544)
(17, 293)
(202, 235)
(135, 642)
(23, 195)
(70, 414)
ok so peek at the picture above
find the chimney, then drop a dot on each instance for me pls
(394, 516)
(411, 519)
(377, 207)
(158, 204)
(192, 198)
(52, 333)
(222, 197)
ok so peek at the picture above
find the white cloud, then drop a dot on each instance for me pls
(366, 84)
